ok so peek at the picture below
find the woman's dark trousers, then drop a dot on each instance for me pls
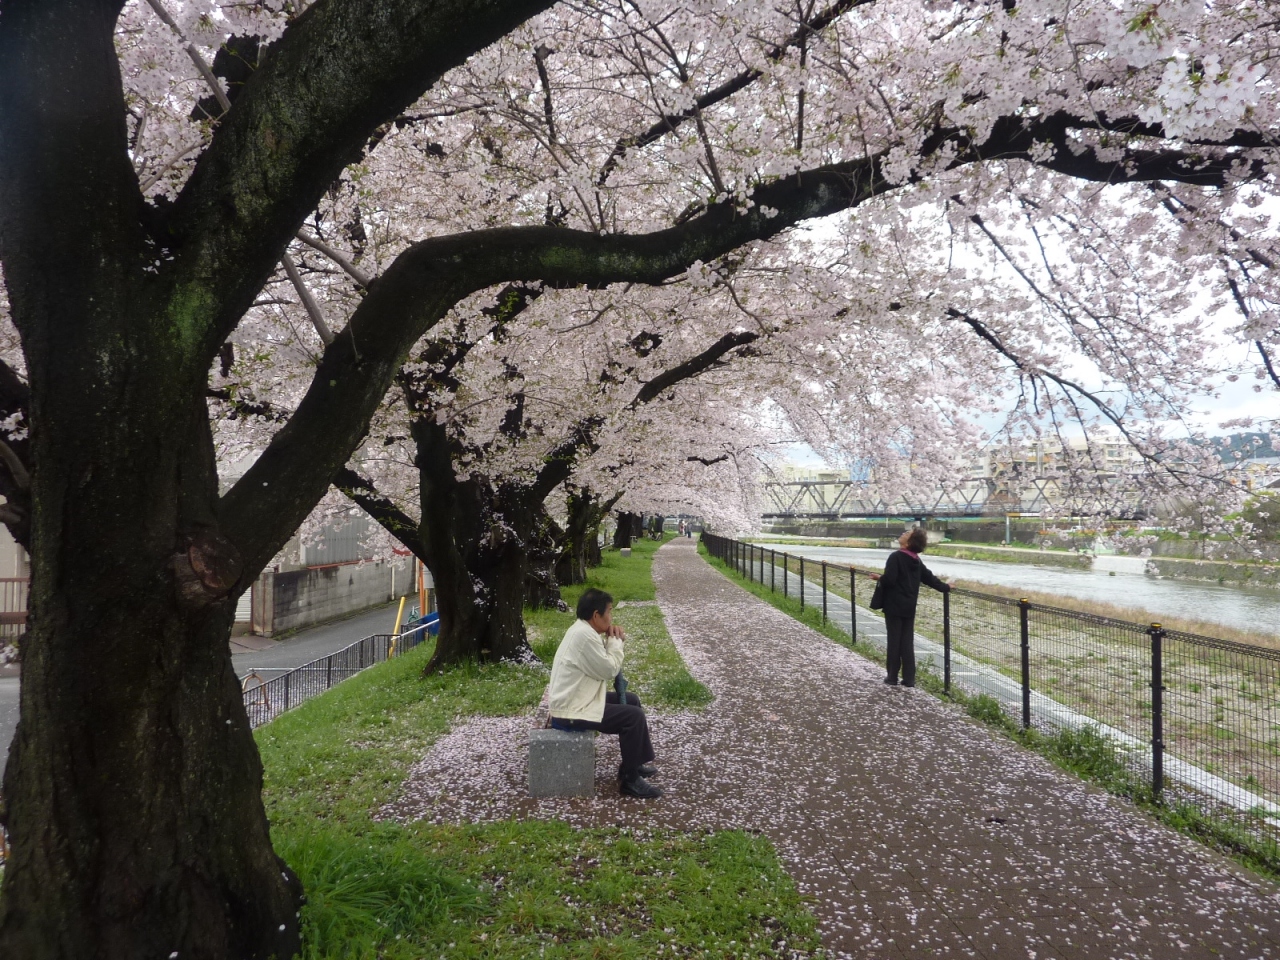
(631, 727)
(901, 647)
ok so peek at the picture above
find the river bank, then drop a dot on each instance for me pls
(1253, 574)
(1200, 605)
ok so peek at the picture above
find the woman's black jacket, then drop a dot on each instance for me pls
(901, 583)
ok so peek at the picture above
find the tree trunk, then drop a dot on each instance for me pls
(133, 783)
(471, 540)
(542, 582)
(629, 527)
(582, 511)
(591, 548)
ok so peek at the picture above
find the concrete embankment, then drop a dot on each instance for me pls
(1056, 558)
(1173, 568)
(1216, 571)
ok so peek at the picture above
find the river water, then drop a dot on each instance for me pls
(1244, 608)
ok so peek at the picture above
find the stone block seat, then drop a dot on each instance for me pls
(562, 763)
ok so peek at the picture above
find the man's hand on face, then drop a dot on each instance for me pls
(603, 623)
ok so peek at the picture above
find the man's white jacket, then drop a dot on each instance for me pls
(582, 672)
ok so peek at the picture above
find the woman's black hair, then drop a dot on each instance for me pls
(917, 540)
(591, 602)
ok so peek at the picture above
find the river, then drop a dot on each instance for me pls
(1245, 608)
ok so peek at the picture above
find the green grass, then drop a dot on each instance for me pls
(1087, 753)
(509, 889)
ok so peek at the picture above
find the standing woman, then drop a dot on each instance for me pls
(900, 589)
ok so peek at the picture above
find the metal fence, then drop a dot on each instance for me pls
(267, 699)
(1194, 717)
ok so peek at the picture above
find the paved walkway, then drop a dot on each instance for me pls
(917, 832)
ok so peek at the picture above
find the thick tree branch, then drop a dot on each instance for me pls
(63, 135)
(708, 463)
(339, 71)
(692, 367)
(391, 518)
(429, 277)
(561, 461)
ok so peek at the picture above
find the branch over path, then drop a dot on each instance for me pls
(916, 831)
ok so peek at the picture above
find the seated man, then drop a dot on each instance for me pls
(589, 658)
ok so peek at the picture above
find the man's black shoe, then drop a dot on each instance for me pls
(891, 681)
(911, 684)
(647, 770)
(638, 786)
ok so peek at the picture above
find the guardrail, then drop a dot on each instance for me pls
(1196, 717)
(267, 699)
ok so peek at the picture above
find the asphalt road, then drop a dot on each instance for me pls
(315, 642)
(302, 647)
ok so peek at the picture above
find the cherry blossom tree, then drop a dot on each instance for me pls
(375, 163)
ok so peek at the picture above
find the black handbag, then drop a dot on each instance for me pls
(877, 597)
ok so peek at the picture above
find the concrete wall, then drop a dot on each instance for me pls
(1207, 550)
(1255, 575)
(298, 598)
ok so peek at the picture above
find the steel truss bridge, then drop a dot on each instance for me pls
(846, 500)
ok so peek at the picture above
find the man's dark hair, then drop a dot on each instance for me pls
(593, 601)
(917, 540)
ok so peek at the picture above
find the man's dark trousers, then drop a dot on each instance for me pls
(626, 721)
(901, 647)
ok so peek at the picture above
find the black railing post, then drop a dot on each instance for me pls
(1157, 711)
(286, 690)
(853, 605)
(328, 671)
(802, 583)
(1024, 606)
(946, 641)
(824, 591)
(773, 571)
(786, 567)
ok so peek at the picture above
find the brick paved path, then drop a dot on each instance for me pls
(917, 832)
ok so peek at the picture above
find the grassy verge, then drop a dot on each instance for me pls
(1031, 555)
(1086, 753)
(509, 889)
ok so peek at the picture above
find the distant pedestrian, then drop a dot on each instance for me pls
(681, 528)
(899, 590)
